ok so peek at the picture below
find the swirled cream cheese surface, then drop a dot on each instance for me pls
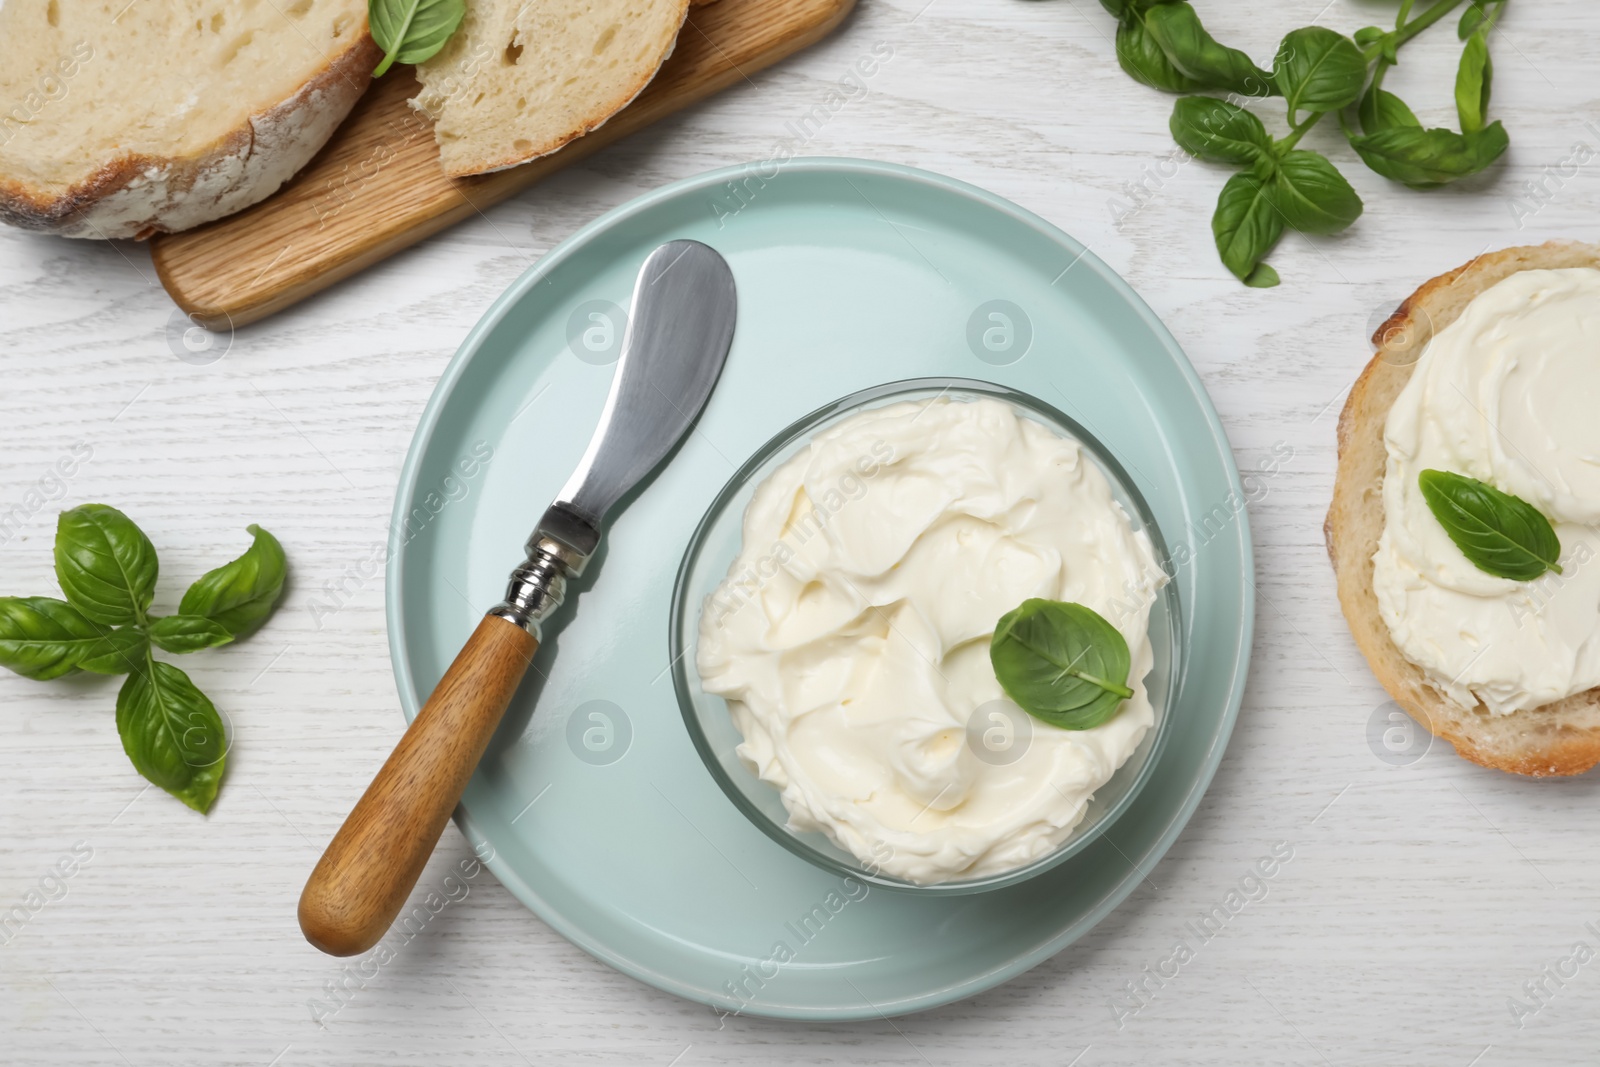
(1509, 394)
(851, 636)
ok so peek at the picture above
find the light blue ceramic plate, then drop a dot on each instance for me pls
(599, 813)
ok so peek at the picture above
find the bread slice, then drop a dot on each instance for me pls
(122, 119)
(1559, 738)
(521, 78)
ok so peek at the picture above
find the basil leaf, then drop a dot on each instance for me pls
(1061, 663)
(43, 638)
(1311, 194)
(1144, 61)
(410, 31)
(172, 733)
(240, 595)
(1317, 69)
(1218, 132)
(1193, 52)
(1263, 277)
(1473, 78)
(1499, 534)
(188, 633)
(1245, 224)
(105, 564)
(1426, 159)
(1381, 109)
(117, 652)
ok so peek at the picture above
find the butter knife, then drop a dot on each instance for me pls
(680, 326)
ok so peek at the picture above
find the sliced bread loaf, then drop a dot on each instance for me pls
(521, 78)
(1559, 738)
(123, 118)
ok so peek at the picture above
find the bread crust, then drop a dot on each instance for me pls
(1560, 738)
(139, 195)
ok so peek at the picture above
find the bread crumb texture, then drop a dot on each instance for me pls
(520, 80)
(119, 118)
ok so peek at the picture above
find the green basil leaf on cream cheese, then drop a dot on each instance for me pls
(1500, 534)
(1062, 663)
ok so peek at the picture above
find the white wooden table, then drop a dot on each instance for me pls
(1421, 898)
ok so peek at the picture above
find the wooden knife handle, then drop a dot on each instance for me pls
(374, 860)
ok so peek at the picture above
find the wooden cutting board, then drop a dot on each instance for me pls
(377, 186)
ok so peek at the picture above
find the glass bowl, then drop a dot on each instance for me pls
(717, 541)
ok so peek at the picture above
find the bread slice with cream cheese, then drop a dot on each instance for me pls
(1559, 738)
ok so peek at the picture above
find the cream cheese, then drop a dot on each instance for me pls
(1509, 394)
(851, 637)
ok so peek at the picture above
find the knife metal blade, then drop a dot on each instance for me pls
(680, 328)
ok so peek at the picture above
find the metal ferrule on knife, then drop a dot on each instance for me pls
(559, 548)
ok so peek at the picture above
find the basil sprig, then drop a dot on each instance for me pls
(1317, 72)
(1061, 663)
(1394, 142)
(1500, 534)
(107, 569)
(410, 31)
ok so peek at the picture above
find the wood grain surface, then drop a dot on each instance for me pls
(371, 866)
(1422, 896)
(377, 187)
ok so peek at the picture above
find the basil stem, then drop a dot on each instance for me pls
(1404, 31)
